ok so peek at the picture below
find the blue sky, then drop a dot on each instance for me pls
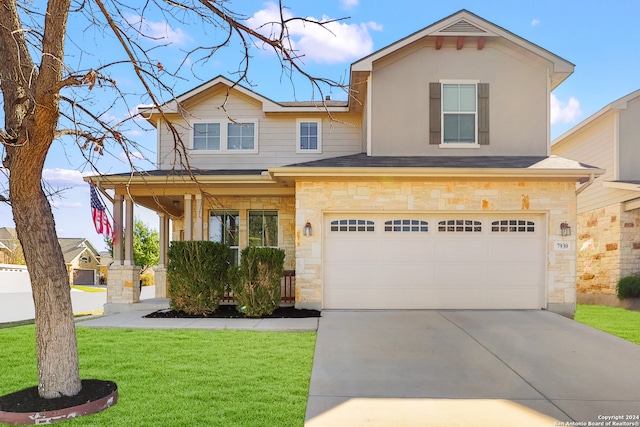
(600, 38)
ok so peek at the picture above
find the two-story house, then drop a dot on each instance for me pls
(432, 188)
(609, 210)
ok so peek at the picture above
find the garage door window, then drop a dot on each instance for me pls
(460, 226)
(354, 225)
(406, 225)
(513, 226)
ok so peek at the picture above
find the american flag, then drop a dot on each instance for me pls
(99, 214)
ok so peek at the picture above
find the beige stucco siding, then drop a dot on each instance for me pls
(400, 99)
(555, 201)
(629, 153)
(276, 140)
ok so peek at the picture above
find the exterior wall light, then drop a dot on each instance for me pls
(565, 229)
(307, 230)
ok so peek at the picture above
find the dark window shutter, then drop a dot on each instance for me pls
(483, 113)
(435, 118)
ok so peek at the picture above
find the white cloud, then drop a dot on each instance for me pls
(63, 177)
(535, 22)
(160, 32)
(565, 112)
(334, 42)
(108, 118)
(348, 4)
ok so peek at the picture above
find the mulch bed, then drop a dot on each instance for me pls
(230, 312)
(27, 407)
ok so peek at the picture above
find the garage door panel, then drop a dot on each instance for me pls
(396, 299)
(508, 250)
(460, 298)
(472, 274)
(460, 249)
(492, 268)
(346, 249)
(510, 298)
(515, 274)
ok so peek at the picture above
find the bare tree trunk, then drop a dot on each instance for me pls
(31, 106)
(58, 373)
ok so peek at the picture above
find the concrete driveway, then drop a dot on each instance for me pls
(470, 368)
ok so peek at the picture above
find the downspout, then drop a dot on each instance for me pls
(584, 186)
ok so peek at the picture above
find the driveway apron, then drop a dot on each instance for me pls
(471, 368)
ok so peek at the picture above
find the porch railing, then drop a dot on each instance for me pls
(287, 290)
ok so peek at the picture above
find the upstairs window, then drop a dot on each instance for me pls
(240, 136)
(308, 136)
(225, 136)
(459, 113)
(206, 136)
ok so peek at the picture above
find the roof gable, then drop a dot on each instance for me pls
(464, 23)
(618, 104)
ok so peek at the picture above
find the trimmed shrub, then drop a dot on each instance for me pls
(256, 282)
(629, 287)
(197, 275)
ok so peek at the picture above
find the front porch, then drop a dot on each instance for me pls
(189, 210)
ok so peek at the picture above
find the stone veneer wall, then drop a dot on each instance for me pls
(608, 248)
(556, 199)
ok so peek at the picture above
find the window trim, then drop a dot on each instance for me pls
(299, 122)
(476, 143)
(224, 137)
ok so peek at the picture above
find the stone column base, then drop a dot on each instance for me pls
(123, 284)
(160, 281)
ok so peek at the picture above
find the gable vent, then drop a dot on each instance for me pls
(462, 26)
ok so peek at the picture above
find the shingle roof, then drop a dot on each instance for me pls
(499, 162)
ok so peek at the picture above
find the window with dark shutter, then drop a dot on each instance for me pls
(457, 121)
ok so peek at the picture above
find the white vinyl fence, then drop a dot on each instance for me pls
(14, 278)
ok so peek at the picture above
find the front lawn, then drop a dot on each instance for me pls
(181, 377)
(616, 321)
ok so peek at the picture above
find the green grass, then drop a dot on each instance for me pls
(181, 377)
(616, 321)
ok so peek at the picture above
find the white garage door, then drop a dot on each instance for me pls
(433, 262)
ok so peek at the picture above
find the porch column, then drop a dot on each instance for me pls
(123, 282)
(161, 270)
(117, 230)
(128, 249)
(198, 217)
(163, 237)
(188, 219)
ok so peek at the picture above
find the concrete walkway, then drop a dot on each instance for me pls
(469, 368)
(136, 320)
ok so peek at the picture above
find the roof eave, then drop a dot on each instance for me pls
(445, 173)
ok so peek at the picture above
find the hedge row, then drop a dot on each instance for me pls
(199, 272)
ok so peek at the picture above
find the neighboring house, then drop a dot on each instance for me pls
(8, 244)
(609, 209)
(81, 259)
(432, 188)
(6, 254)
